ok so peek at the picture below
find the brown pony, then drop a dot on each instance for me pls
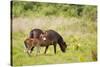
(51, 37)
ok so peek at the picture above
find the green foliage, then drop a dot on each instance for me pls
(90, 13)
(21, 8)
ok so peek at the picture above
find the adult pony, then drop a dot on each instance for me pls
(51, 37)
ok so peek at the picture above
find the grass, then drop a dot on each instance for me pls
(81, 40)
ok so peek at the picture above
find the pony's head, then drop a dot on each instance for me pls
(63, 47)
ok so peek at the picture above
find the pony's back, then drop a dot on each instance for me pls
(35, 33)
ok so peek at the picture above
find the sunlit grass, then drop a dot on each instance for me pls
(80, 43)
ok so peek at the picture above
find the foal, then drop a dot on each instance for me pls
(30, 43)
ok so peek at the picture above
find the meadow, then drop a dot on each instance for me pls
(80, 41)
(79, 33)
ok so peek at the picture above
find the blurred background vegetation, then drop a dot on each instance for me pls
(34, 9)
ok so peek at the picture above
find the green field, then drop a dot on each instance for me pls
(77, 24)
(80, 41)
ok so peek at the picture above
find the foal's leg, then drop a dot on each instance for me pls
(46, 49)
(32, 49)
(27, 49)
(38, 49)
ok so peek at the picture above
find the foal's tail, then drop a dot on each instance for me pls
(62, 45)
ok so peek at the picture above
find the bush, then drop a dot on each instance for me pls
(22, 8)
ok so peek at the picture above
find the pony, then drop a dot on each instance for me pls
(51, 37)
(30, 43)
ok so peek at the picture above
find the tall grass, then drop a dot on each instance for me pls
(80, 43)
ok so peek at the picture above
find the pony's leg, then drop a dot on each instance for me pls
(46, 49)
(25, 50)
(32, 49)
(55, 48)
(29, 50)
(37, 49)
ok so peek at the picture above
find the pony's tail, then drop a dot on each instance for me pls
(62, 45)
